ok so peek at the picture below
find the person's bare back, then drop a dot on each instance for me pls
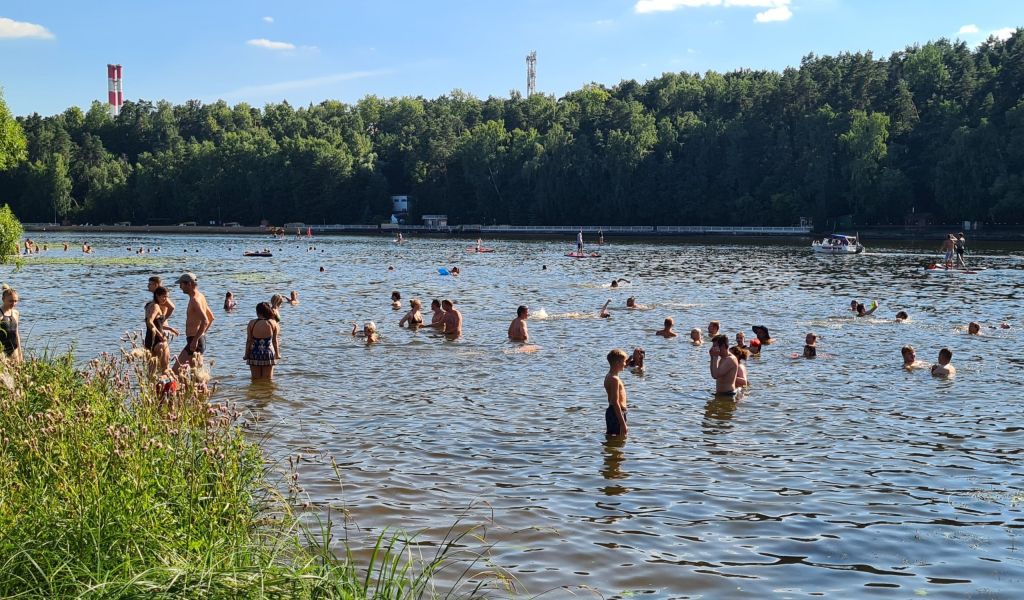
(452, 320)
(517, 330)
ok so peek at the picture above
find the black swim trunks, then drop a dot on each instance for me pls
(611, 423)
(200, 345)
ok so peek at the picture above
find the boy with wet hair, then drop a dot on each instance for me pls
(943, 368)
(615, 414)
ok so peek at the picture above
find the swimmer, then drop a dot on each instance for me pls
(741, 340)
(454, 271)
(974, 328)
(631, 302)
(603, 313)
(762, 334)
(943, 368)
(437, 318)
(396, 300)
(229, 302)
(741, 355)
(615, 414)
(696, 337)
(636, 361)
(615, 282)
(452, 322)
(276, 302)
(853, 305)
(755, 347)
(810, 346)
(262, 343)
(413, 318)
(155, 282)
(369, 332)
(863, 312)
(321, 269)
(724, 366)
(713, 328)
(902, 316)
(10, 318)
(667, 331)
(390, 268)
(910, 361)
(293, 299)
(517, 331)
(543, 267)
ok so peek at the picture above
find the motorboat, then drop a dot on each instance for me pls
(838, 244)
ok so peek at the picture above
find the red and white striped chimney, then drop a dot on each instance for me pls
(115, 96)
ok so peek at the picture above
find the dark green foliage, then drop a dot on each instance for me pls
(937, 128)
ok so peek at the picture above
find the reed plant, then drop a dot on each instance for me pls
(109, 490)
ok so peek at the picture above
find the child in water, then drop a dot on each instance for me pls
(810, 346)
(615, 414)
(229, 302)
(636, 361)
(369, 332)
(696, 337)
(396, 300)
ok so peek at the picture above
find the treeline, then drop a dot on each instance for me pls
(936, 129)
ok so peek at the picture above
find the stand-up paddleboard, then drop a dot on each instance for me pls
(954, 270)
(583, 255)
(475, 249)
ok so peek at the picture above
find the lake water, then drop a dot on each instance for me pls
(842, 476)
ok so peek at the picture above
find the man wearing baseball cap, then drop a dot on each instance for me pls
(198, 318)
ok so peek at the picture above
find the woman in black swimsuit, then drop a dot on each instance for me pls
(413, 318)
(156, 338)
(9, 319)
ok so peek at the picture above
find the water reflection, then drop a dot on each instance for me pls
(614, 452)
(718, 413)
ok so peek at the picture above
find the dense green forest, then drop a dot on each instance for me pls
(936, 129)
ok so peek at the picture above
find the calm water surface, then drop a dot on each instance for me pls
(843, 476)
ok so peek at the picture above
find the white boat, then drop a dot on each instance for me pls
(838, 244)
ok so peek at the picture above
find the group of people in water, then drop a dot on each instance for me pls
(727, 362)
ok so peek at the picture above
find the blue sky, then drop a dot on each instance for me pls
(54, 54)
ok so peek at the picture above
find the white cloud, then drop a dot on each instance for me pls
(777, 10)
(268, 19)
(269, 45)
(779, 13)
(300, 84)
(968, 29)
(1003, 34)
(11, 29)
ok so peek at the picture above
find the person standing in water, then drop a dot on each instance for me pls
(943, 368)
(452, 321)
(615, 414)
(262, 343)
(156, 324)
(579, 241)
(948, 246)
(10, 338)
(413, 318)
(198, 319)
(517, 331)
(155, 282)
(724, 366)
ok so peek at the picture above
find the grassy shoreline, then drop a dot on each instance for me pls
(107, 491)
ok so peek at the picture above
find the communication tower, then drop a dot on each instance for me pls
(531, 73)
(115, 96)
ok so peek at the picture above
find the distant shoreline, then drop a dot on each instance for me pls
(540, 232)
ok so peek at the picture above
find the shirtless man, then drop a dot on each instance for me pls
(452, 321)
(724, 366)
(667, 331)
(198, 318)
(944, 369)
(713, 328)
(615, 414)
(155, 282)
(517, 329)
(437, 316)
(948, 246)
(910, 361)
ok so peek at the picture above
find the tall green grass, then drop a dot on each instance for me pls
(107, 491)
